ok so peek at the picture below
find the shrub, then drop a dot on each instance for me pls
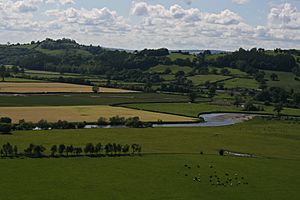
(5, 120)
(102, 121)
(5, 128)
(117, 120)
(134, 122)
(221, 152)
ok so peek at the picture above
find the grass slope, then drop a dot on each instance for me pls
(196, 108)
(88, 99)
(286, 80)
(241, 83)
(201, 79)
(173, 68)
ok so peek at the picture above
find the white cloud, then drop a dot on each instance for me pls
(148, 25)
(63, 2)
(240, 2)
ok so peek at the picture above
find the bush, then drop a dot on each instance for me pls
(117, 121)
(221, 152)
(5, 120)
(134, 122)
(102, 121)
(5, 128)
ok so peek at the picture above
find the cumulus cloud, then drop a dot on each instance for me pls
(63, 2)
(240, 2)
(149, 25)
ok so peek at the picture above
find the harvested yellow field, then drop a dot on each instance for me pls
(52, 88)
(84, 113)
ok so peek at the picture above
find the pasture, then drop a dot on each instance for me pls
(194, 109)
(52, 88)
(87, 99)
(241, 83)
(286, 80)
(174, 56)
(201, 79)
(84, 113)
(160, 173)
(174, 69)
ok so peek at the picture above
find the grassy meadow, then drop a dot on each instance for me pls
(194, 109)
(286, 80)
(201, 79)
(160, 173)
(87, 99)
(241, 83)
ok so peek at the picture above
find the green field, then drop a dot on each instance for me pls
(194, 109)
(286, 80)
(174, 56)
(173, 68)
(241, 83)
(201, 79)
(87, 99)
(160, 173)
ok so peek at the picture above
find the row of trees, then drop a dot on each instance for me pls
(6, 124)
(62, 150)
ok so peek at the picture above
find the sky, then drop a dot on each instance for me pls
(139, 24)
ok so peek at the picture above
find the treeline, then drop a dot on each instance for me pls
(6, 125)
(91, 150)
(252, 60)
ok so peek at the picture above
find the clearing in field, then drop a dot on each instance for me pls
(52, 88)
(84, 113)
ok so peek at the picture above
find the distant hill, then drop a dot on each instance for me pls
(66, 55)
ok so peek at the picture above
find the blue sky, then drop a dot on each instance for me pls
(138, 24)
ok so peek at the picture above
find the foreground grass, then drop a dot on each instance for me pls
(195, 109)
(161, 175)
(148, 177)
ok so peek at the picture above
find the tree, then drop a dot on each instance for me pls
(16, 150)
(278, 108)
(5, 128)
(238, 101)
(192, 97)
(53, 150)
(125, 149)
(38, 150)
(98, 148)
(212, 91)
(117, 121)
(95, 89)
(274, 77)
(61, 149)
(249, 106)
(69, 149)
(102, 121)
(3, 72)
(5, 120)
(134, 122)
(89, 148)
(225, 72)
